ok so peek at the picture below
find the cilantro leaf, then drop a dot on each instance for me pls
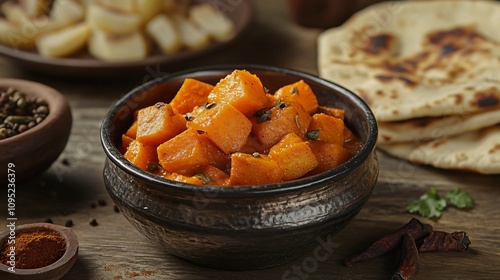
(428, 205)
(459, 199)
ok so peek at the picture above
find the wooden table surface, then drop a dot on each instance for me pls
(115, 250)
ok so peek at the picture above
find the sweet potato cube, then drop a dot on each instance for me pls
(192, 93)
(241, 89)
(330, 111)
(141, 155)
(294, 156)
(301, 92)
(329, 155)
(329, 129)
(159, 123)
(227, 127)
(252, 145)
(217, 177)
(216, 156)
(194, 180)
(126, 140)
(132, 130)
(255, 169)
(184, 153)
(285, 117)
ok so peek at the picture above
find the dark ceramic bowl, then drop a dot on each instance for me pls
(33, 151)
(241, 227)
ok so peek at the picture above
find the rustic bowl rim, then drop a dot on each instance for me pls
(56, 101)
(339, 172)
(65, 262)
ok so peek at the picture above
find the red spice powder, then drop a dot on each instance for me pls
(35, 248)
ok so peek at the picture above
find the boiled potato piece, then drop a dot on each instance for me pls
(13, 35)
(127, 6)
(7, 30)
(14, 12)
(67, 11)
(64, 42)
(164, 33)
(211, 21)
(148, 9)
(35, 8)
(112, 21)
(116, 48)
(192, 36)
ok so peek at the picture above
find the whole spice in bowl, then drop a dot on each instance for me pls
(20, 112)
(37, 251)
(35, 123)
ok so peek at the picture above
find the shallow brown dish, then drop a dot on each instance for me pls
(34, 150)
(54, 271)
(241, 227)
(83, 65)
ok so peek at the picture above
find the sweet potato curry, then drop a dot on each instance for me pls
(237, 133)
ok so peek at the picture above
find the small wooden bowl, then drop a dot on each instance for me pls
(33, 151)
(54, 271)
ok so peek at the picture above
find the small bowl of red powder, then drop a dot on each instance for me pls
(37, 251)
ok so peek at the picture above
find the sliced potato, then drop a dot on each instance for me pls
(16, 36)
(14, 12)
(148, 9)
(191, 36)
(117, 48)
(212, 21)
(68, 11)
(112, 21)
(63, 42)
(127, 6)
(34, 8)
(163, 31)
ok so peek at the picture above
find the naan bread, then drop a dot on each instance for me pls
(431, 128)
(477, 151)
(414, 59)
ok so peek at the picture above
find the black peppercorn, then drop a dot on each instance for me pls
(20, 112)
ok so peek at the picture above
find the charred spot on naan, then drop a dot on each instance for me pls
(458, 36)
(494, 149)
(486, 98)
(448, 49)
(390, 78)
(381, 44)
(437, 142)
(458, 99)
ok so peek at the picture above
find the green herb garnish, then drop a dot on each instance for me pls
(431, 205)
(459, 199)
(313, 134)
(428, 205)
(203, 177)
(262, 115)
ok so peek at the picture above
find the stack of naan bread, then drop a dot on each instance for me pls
(430, 71)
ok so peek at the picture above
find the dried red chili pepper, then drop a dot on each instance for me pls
(389, 242)
(410, 259)
(444, 241)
